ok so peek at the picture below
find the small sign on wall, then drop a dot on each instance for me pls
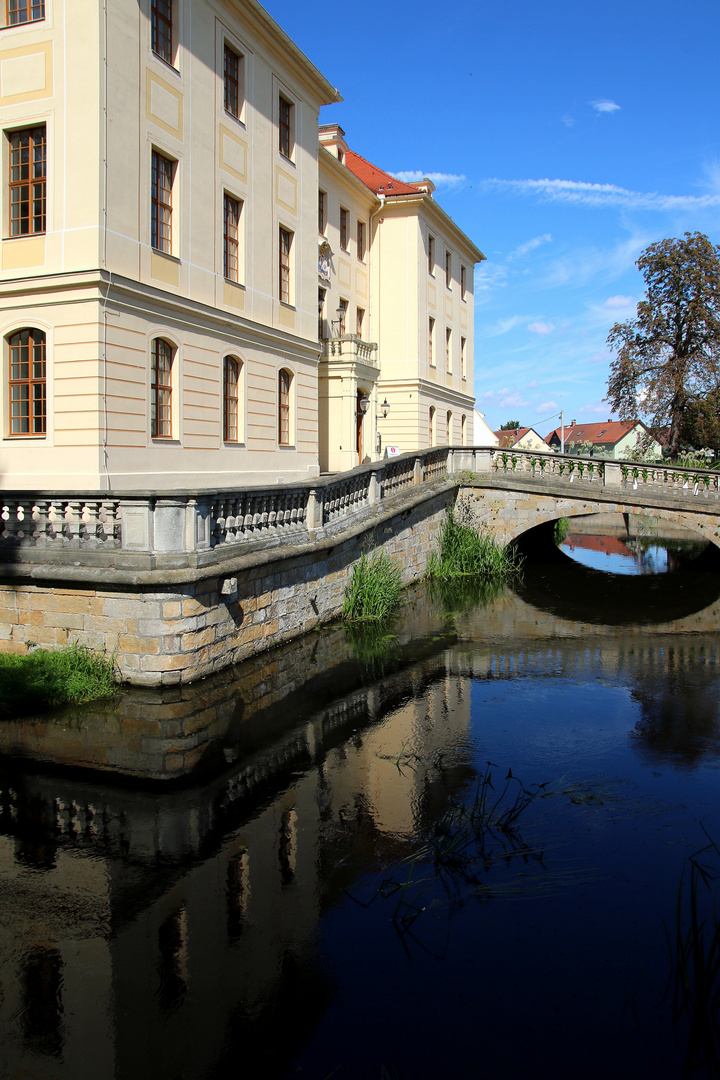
(392, 451)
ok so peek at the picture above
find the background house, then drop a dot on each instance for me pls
(523, 438)
(615, 438)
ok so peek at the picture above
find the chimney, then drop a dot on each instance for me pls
(573, 423)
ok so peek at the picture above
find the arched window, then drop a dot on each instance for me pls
(231, 399)
(284, 385)
(431, 425)
(161, 390)
(448, 429)
(28, 383)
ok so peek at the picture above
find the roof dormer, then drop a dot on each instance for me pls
(332, 137)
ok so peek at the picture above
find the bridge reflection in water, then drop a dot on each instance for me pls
(155, 932)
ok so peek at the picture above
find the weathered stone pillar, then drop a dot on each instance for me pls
(418, 471)
(314, 511)
(483, 461)
(613, 474)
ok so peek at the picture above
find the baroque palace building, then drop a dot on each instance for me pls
(170, 316)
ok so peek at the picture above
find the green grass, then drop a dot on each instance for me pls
(465, 552)
(373, 594)
(47, 678)
(560, 530)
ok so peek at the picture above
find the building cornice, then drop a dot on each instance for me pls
(426, 204)
(285, 49)
(139, 298)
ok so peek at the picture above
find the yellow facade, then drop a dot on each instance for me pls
(159, 262)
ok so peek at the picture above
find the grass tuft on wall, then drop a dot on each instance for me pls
(373, 594)
(465, 552)
(47, 678)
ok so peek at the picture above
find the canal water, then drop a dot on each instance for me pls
(463, 849)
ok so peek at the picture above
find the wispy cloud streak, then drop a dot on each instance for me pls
(439, 179)
(603, 195)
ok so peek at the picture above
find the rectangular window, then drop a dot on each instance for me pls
(342, 317)
(284, 408)
(161, 202)
(231, 73)
(161, 390)
(285, 127)
(285, 243)
(22, 11)
(359, 320)
(463, 372)
(27, 383)
(431, 335)
(28, 181)
(462, 282)
(322, 217)
(448, 269)
(231, 399)
(231, 238)
(448, 349)
(343, 228)
(361, 241)
(431, 255)
(161, 29)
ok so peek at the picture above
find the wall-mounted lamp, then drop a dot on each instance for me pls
(385, 408)
(364, 404)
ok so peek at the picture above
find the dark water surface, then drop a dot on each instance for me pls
(331, 899)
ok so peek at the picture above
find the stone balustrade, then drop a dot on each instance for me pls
(184, 523)
(350, 347)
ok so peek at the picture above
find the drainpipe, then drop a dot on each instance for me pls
(373, 321)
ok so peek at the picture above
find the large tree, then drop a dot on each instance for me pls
(668, 356)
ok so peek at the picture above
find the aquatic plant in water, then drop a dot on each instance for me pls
(374, 590)
(467, 552)
(462, 846)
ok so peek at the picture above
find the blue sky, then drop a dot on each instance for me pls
(563, 138)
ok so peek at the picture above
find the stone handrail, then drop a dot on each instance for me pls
(39, 526)
(185, 522)
(350, 346)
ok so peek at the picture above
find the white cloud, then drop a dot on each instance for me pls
(546, 406)
(502, 326)
(605, 106)
(512, 400)
(439, 179)
(530, 245)
(568, 121)
(541, 327)
(618, 303)
(604, 195)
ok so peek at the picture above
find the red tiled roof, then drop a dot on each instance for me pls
(610, 545)
(596, 434)
(379, 181)
(509, 436)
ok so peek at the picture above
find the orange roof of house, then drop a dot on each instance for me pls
(510, 436)
(610, 545)
(610, 432)
(379, 181)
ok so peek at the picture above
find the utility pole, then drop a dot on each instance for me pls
(562, 431)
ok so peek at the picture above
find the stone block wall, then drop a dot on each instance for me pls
(171, 633)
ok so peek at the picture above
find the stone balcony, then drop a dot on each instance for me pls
(350, 348)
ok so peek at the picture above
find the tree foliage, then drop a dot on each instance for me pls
(511, 425)
(701, 423)
(668, 357)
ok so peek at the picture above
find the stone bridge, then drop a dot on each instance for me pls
(178, 584)
(510, 492)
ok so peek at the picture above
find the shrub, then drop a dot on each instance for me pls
(51, 677)
(374, 590)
